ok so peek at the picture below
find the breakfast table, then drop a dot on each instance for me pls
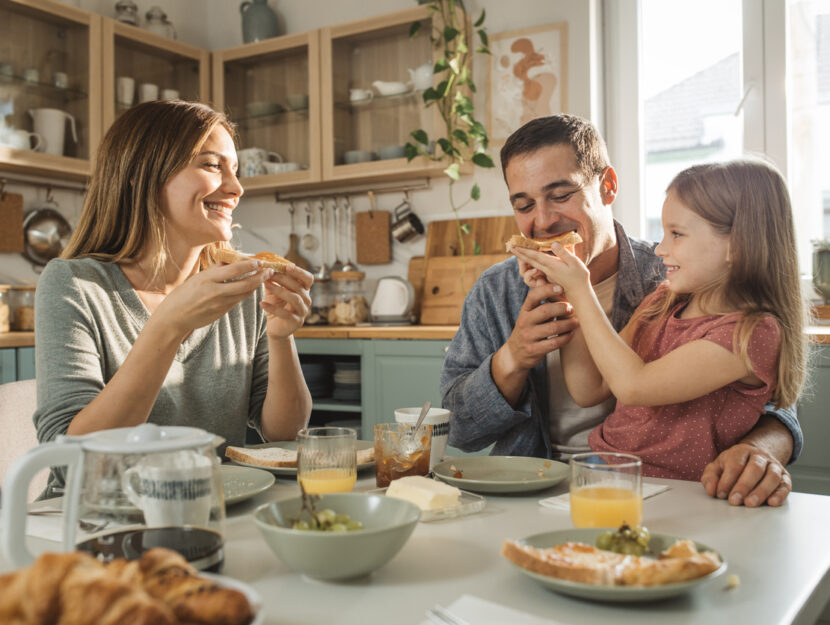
(781, 557)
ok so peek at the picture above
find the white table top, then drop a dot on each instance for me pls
(782, 556)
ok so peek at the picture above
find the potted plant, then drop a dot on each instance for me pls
(462, 137)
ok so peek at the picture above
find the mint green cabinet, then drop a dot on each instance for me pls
(811, 472)
(17, 363)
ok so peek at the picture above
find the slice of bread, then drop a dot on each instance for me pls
(269, 260)
(578, 562)
(279, 457)
(568, 240)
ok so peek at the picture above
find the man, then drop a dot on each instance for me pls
(502, 379)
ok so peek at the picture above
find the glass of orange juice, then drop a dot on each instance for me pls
(606, 489)
(326, 460)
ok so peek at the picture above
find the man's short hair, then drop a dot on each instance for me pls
(580, 134)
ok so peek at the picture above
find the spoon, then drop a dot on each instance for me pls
(409, 442)
(337, 265)
(322, 272)
(348, 265)
(309, 240)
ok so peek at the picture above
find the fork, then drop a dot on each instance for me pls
(441, 616)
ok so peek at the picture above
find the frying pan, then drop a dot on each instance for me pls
(45, 234)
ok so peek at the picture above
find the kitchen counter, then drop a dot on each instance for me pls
(17, 339)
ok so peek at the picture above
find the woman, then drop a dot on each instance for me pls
(135, 323)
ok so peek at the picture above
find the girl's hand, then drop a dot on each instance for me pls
(287, 301)
(206, 296)
(563, 268)
(531, 276)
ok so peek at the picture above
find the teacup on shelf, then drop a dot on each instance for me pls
(391, 151)
(297, 101)
(351, 157)
(390, 88)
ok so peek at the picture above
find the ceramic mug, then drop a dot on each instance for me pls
(125, 90)
(439, 419)
(351, 157)
(147, 92)
(6, 72)
(30, 74)
(169, 94)
(252, 161)
(297, 101)
(60, 80)
(22, 140)
(171, 489)
(360, 95)
(280, 168)
(391, 151)
(407, 224)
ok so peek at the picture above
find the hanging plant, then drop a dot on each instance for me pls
(462, 137)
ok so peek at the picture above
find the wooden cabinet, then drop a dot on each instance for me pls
(159, 63)
(50, 65)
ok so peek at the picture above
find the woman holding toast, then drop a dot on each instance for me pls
(141, 320)
(722, 336)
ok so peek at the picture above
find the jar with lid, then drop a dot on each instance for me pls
(5, 309)
(126, 11)
(349, 305)
(23, 308)
(158, 23)
(320, 302)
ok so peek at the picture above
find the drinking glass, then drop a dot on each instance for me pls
(401, 450)
(326, 460)
(606, 490)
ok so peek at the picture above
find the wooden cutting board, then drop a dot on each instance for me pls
(374, 246)
(11, 222)
(489, 232)
(444, 291)
(415, 275)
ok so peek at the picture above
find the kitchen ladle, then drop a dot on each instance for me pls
(348, 265)
(337, 265)
(322, 272)
(309, 240)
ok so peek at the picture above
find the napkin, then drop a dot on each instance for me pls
(480, 612)
(563, 501)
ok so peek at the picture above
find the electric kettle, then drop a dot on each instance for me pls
(127, 490)
(393, 301)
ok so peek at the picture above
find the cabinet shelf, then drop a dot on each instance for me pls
(11, 84)
(334, 405)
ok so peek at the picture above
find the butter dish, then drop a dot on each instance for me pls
(468, 503)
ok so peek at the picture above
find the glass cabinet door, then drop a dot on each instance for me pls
(374, 75)
(140, 66)
(49, 88)
(270, 89)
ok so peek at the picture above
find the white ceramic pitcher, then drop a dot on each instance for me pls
(51, 124)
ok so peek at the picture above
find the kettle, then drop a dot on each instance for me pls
(127, 490)
(393, 301)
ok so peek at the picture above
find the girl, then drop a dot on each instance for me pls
(136, 323)
(722, 335)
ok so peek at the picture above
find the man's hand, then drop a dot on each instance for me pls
(747, 475)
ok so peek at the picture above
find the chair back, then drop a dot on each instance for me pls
(18, 401)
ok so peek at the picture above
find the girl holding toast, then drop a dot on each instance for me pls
(722, 336)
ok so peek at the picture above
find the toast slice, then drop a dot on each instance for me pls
(578, 562)
(269, 260)
(568, 240)
(279, 457)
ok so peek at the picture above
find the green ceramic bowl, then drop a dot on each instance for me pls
(387, 525)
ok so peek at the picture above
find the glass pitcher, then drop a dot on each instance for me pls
(127, 490)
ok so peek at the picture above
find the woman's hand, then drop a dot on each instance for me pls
(206, 296)
(562, 268)
(287, 301)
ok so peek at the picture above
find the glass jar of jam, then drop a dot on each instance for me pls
(23, 308)
(348, 306)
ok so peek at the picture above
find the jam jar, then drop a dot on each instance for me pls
(23, 308)
(348, 306)
(320, 302)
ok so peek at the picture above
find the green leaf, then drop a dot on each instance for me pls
(452, 172)
(430, 94)
(482, 50)
(465, 228)
(410, 151)
(476, 248)
(445, 145)
(461, 136)
(442, 87)
(462, 47)
(483, 160)
(480, 19)
(475, 192)
(441, 65)
(420, 136)
(450, 33)
(483, 36)
(414, 28)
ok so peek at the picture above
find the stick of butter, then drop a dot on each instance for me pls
(425, 493)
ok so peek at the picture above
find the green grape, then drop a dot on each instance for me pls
(338, 527)
(604, 541)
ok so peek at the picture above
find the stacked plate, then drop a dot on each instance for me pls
(346, 380)
(318, 378)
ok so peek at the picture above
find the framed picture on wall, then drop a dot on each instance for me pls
(527, 77)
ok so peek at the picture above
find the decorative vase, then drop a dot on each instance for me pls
(259, 21)
(821, 273)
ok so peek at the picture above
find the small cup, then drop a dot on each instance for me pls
(361, 95)
(60, 80)
(297, 101)
(30, 74)
(400, 451)
(606, 489)
(147, 92)
(169, 94)
(391, 151)
(439, 419)
(125, 90)
(6, 72)
(351, 157)
(326, 460)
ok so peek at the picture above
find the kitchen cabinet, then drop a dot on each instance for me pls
(17, 364)
(50, 62)
(142, 57)
(811, 472)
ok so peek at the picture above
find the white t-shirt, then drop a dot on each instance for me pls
(569, 423)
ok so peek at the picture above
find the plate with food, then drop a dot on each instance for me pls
(501, 474)
(569, 562)
(280, 458)
(241, 483)
(254, 600)
(436, 499)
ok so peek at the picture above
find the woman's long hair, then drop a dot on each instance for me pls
(747, 200)
(121, 218)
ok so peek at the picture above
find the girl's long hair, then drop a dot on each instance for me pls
(747, 200)
(121, 218)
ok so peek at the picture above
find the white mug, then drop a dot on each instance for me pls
(125, 90)
(30, 74)
(22, 140)
(147, 92)
(358, 95)
(252, 161)
(169, 94)
(60, 80)
(439, 419)
(171, 489)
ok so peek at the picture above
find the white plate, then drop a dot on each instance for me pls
(468, 503)
(501, 474)
(293, 445)
(241, 483)
(234, 584)
(627, 594)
